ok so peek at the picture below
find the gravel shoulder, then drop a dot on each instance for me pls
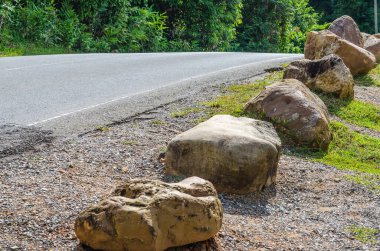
(42, 190)
(368, 93)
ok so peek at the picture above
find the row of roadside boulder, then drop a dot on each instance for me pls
(232, 155)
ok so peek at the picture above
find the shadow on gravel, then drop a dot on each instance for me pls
(17, 139)
(209, 245)
(256, 204)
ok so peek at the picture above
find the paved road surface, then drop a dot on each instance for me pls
(73, 93)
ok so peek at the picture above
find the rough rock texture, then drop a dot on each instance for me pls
(376, 35)
(365, 36)
(323, 43)
(346, 28)
(328, 74)
(238, 155)
(293, 107)
(146, 215)
(372, 44)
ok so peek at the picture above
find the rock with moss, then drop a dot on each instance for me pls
(238, 155)
(149, 215)
(294, 109)
(329, 75)
(323, 43)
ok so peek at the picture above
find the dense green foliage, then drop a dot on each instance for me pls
(28, 26)
(279, 25)
(360, 10)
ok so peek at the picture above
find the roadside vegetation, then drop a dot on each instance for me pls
(370, 79)
(53, 27)
(349, 150)
(364, 234)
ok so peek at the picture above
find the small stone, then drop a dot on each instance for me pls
(337, 180)
(125, 169)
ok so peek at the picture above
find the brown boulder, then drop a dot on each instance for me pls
(238, 155)
(323, 43)
(146, 215)
(372, 44)
(329, 75)
(346, 28)
(295, 110)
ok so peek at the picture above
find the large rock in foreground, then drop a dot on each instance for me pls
(346, 28)
(372, 44)
(238, 155)
(329, 75)
(323, 43)
(296, 110)
(146, 215)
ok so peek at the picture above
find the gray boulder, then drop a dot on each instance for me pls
(238, 155)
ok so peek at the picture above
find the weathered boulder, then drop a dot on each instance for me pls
(346, 28)
(365, 36)
(323, 43)
(238, 155)
(328, 74)
(146, 215)
(295, 110)
(372, 44)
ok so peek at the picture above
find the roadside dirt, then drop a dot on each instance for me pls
(42, 191)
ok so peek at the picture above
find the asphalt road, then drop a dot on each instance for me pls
(74, 93)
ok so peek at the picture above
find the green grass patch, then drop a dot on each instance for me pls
(29, 50)
(158, 122)
(101, 128)
(184, 112)
(370, 181)
(348, 150)
(364, 234)
(370, 79)
(236, 96)
(129, 143)
(355, 112)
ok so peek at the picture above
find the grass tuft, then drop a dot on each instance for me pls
(348, 150)
(158, 122)
(370, 79)
(236, 96)
(184, 112)
(101, 128)
(129, 142)
(364, 234)
(355, 112)
(29, 50)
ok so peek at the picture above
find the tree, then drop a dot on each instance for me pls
(200, 24)
(275, 25)
(360, 10)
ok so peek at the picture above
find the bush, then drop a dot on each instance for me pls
(155, 25)
(206, 25)
(275, 25)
